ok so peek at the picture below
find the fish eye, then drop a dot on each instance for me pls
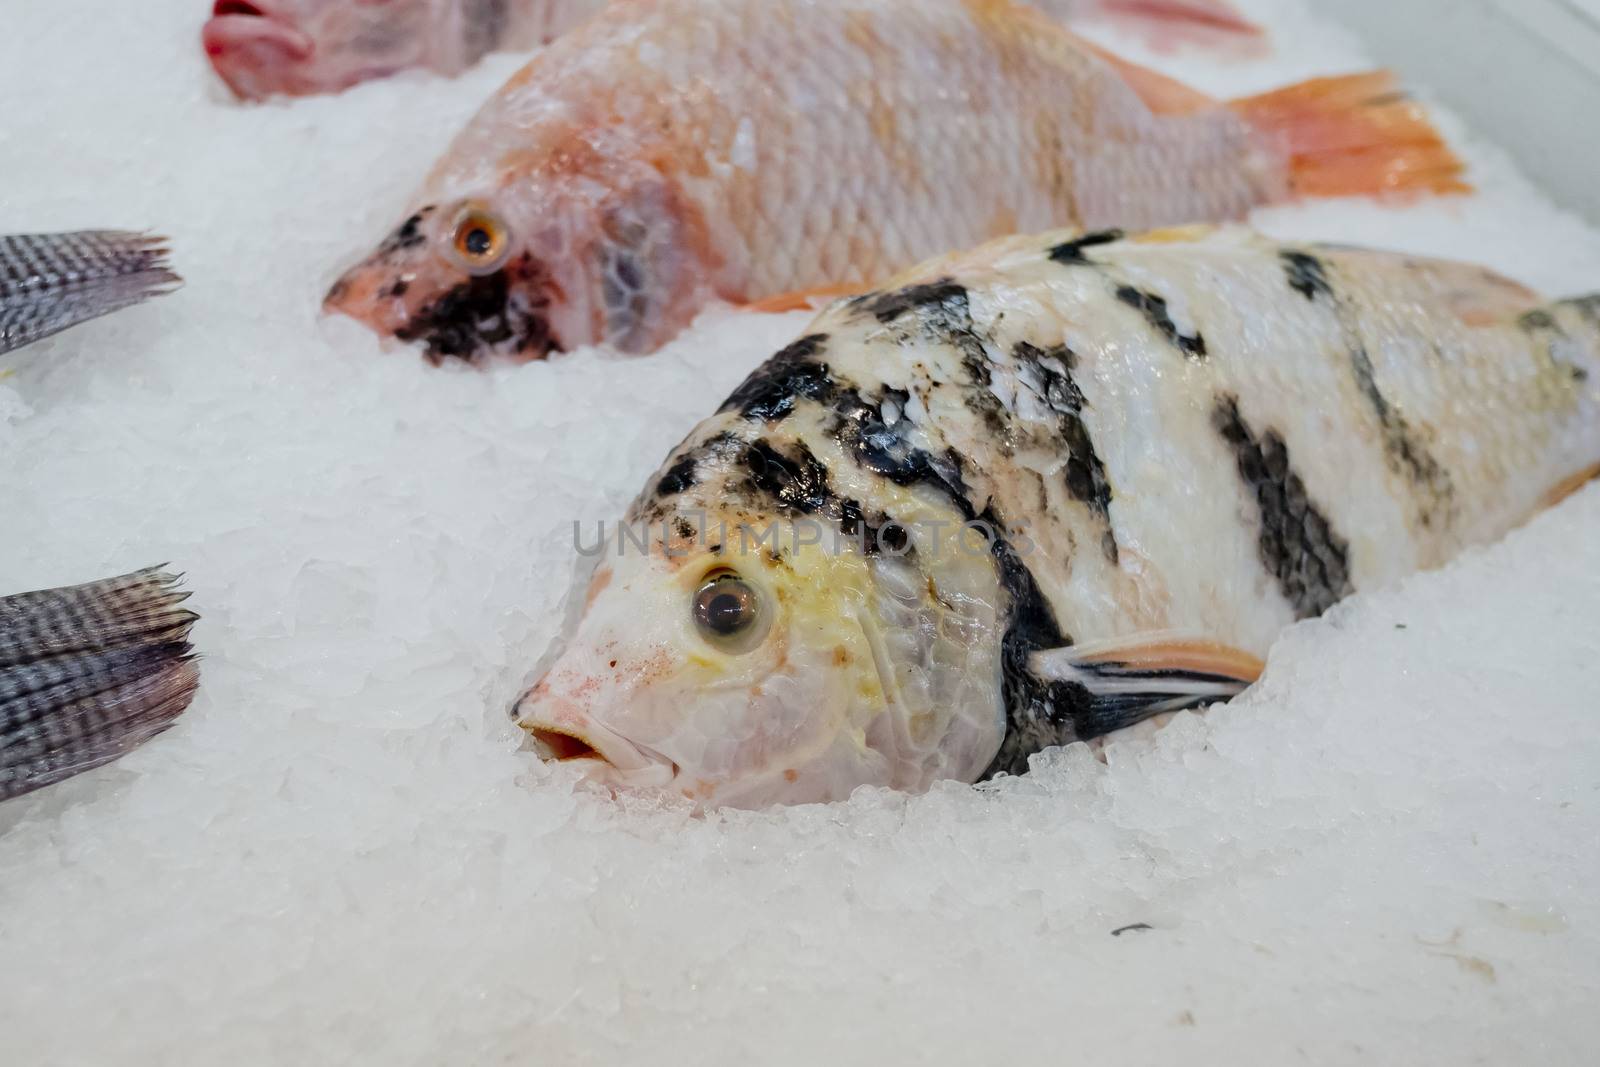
(479, 241)
(729, 613)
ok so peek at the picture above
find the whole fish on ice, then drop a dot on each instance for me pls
(261, 48)
(669, 153)
(89, 673)
(52, 281)
(1037, 492)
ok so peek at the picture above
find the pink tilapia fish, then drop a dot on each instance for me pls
(300, 47)
(670, 153)
(1045, 490)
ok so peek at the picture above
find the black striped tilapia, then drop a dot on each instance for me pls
(52, 281)
(1041, 491)
(89, 673)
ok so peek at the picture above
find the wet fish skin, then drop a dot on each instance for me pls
(51, 282)
(1180, 442)
(88, 673)
(631, 173)
(264, 48)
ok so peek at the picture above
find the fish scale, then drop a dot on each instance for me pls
(314, 46)
(1174, 445)
(670, 153)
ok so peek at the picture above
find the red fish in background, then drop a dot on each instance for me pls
(302, 47)
(263, 48)
(669, 153)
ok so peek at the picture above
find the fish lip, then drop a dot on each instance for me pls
(223, 33)
(610, 757)
(248, 51)
(248, 30)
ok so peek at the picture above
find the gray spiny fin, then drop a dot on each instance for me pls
(50, 282)
(89, 673)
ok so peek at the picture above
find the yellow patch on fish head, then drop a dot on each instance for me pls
(737, 673)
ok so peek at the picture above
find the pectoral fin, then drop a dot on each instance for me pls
(804, 299)
(1570, 485)
(1116, 683)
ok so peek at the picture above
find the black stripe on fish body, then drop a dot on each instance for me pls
(1587, 309)
(1038, 712)
(1404, 450)
(679, 478)
(863, 432)
(1085, 473)
(770, 393)
(1042, 713)
(484, 24)
(1071, 252)
(797, 484)
(1307, 274)
(944, 296)
(981, 400)
(1154, 309)
(1541, 321)
(942, 315)
(791, 485)
(1537, 320)
(1298, 545)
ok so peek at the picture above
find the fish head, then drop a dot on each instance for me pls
(574, 248)
(468, 278)
(262, 48)
(734, 675)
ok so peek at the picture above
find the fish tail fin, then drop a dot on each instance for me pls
(1354, 135)
(1183, 21)
(55, 281)
(89, 673)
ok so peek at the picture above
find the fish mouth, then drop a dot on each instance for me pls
(604, 756)
(254, 47)
(467, 320)
(236, 7)
(557, 747)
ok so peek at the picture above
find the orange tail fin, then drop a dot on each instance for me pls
(1353, 135)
